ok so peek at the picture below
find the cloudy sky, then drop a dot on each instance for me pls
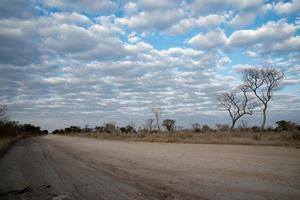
(73, 62)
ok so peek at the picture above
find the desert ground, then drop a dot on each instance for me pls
(63, 167)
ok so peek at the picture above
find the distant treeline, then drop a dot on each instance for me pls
(170, 127)
(12, 129)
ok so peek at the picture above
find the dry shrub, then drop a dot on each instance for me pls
(8, 129)
(142, 135)
(206, 128)
(153, 140)
(185, 135)
(256, 136)
(294, 135)
(255, 129)
(236, 134)
(222, 137)
(171, 140)
(196, 127)
(110, 127)
(6, 143)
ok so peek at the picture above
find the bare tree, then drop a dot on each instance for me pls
(263, 82)
(196, 127)
(169, 124)
(149, 124)
(156, 112)
(3, 113)
(110, 127)
(237, 103)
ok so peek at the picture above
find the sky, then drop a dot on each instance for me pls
(76, 62)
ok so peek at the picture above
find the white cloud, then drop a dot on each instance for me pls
(54, 80)
(270, 32)
(155, 5)
(251, 54)
(210, 40)
(182, 26)
(291, 82)
(68, 38)
(288, 45)
(248, 16)
(210, 20)
(98, 42)
(18, 42)
(71, 18)
(133, 38)
(224, 61)
(130, 8)
(221, 6)
(86, 5)
(138, 47)
(287, 7)
(15, 9)
(82, 56)
(186, 24)
(151, 20)
(148, 15)
(241, 67)
(243, 19)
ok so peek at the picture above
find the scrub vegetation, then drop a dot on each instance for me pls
(12, 131)
(253, 95)
(284, 134)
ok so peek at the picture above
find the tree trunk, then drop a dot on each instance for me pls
(232, 125)
(264, 118)
(157, 123)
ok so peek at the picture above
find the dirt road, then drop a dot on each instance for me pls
(59, 167)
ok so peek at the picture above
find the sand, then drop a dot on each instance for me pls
(62, 167)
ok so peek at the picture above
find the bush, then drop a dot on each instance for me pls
(222, 127)
(57, 131)
(169, 124)
(205, 127)
(255, 129)
(127, 129)
(12, 129)
(256, 137)
(295, 135)
(30, 129)
(73, 129)
(270, 128)
(196, 127)
(99, 129)
(283, 125)
(8, 129)
(186, 135)
(154, 131)
(109, 128)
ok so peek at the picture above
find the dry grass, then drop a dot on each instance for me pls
(238, 138)
(6, 143)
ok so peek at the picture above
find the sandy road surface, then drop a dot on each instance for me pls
(59, 167)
